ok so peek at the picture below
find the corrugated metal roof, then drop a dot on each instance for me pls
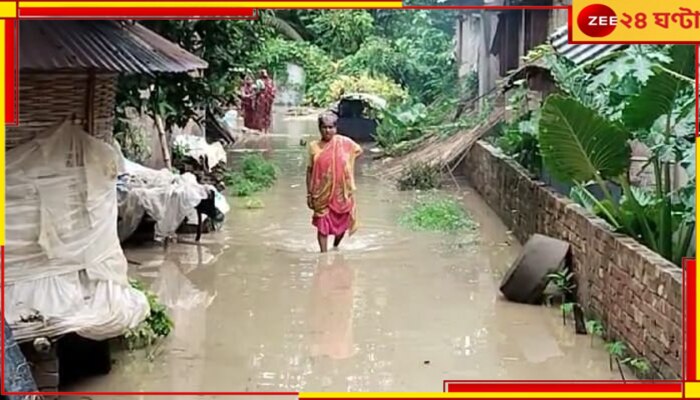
(107, 46)
(579, 53)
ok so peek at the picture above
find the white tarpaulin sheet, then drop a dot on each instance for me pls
(166, 197)
(63, 259)
(197, 147)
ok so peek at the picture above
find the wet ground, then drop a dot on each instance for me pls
(256, 308)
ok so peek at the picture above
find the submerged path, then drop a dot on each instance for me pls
(257, 309)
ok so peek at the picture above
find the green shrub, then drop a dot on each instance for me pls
(158, 325)
(437, 214)
(256, 174)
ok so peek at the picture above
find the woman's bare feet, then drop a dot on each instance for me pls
(337, 240)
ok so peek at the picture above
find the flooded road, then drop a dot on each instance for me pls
(256, 308)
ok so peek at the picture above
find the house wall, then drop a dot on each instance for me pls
(46, 99)
(558, 17)
(475, 34)
(634, 291)
(473, 44)
(468, 33)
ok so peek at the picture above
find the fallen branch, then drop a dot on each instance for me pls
(441, 152)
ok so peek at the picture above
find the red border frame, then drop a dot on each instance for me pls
(453, 386)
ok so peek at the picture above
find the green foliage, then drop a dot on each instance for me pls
(379, 85)
(227, 45)
(519, 138)
(134, 142)
(563, 280)
(376, 56)
(420, 177)
(359, 42)
(583, 133)
(179, 153)
(158, 325)
(340, 32)
(616, 348)
(276, 53)
(437, 214)
(595, 329)
(654, 107)
(402, 127)
(640, 366)
(256, 174)
(400, 124)
(277, 20)
(567, 308)
(578, 145)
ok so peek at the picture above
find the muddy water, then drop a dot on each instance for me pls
(257, 309)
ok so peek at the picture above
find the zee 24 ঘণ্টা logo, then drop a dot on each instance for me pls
(599, 20)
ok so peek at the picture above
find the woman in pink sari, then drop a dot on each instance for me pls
(248, 103)
(264, 102)
(330, 183)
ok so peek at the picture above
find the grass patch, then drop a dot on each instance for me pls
(420, 176)
(256, 174)
(254, 204)
(441, 214)
(158, 325)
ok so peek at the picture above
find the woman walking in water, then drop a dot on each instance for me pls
(264, 101)
(248, 103)
(330, 182)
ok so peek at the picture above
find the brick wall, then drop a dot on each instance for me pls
(635, 292)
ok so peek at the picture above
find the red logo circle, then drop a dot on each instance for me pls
(597, 20)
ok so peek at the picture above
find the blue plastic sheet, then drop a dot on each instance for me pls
(18, 375)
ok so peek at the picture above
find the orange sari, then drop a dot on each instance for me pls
(333, 184)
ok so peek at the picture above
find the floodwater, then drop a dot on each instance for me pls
(256, 308)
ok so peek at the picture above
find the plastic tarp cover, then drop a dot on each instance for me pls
(198, 147)
(65, 270)
(166, 197)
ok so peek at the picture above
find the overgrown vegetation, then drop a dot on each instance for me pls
(436, 213)
(340, 51)
(405, 126)
(134, 143)
(420, 177)
(255, 174)
(582, 136)
(157, 326)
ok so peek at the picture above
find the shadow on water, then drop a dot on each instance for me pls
(257, 309)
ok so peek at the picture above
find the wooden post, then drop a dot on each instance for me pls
(163, 139)
(90, 104)
(484, 65)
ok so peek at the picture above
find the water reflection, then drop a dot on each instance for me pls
(331, 314)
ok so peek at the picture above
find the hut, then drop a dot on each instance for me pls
(68, 78)
(70, 69)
